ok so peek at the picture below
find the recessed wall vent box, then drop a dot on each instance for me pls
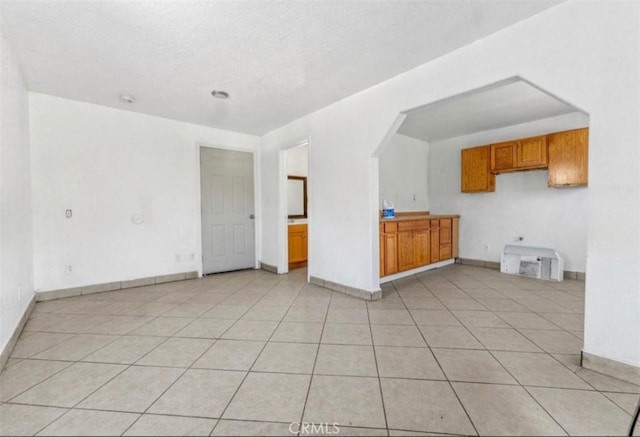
(532, 262)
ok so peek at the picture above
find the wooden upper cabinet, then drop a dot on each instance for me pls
(568, 158)
(503, 156)
(475, 173)
(532, 153)
(523, 154)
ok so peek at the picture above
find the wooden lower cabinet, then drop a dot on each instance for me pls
(297, 246)
(410, 244)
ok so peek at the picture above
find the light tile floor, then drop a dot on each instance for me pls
(458, 350)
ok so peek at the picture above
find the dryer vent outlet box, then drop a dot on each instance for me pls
(532, 262)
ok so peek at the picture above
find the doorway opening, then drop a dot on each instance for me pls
(297, 169)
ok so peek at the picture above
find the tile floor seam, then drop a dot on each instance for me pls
(189, 367)
(375, 359)
(315, 361)
(440, 364)
(255, 359)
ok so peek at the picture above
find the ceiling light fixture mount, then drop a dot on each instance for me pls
(220, 94)
(127, 98)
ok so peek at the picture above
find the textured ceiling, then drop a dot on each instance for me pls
(508, 103)
(279, 60)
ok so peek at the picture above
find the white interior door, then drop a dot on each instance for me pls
(228, 234)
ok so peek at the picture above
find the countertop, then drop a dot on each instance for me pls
(400, 217)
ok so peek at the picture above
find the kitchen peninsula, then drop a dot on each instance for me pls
(416, 239)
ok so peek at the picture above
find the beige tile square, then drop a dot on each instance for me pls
(259, 312)
(152, 309)
(424, 406)
(627, 401)
(607, 383)
(133, 390)
(76, 347)
(78, 323)
(30, 345)
(89, 423)
(390, 317)
(120, 325)
(347, 315)
(502, 305)
(462, 304)
(206, 328)
(26, 374)
(435, 318)
(539, 370)
(347, 360)
(286, 358)
(396, 335)
(450, 337)
(505, 410)
(582, 412)
(26, 419)
(353, 401)
(251, 330)
(560, 342)
(423, 303)
(472, 366)
(506, 339)
(71, 385)
(306, 314)
(230, 355)
(570, 322)
(344, 333)
(156, 425)
(163, 326)
(298, 332)
(225, 311)
(407, 362)
(484, 319)
(176, 352)
(269, 397)
(125, 350)
(253, 428)
(199, 393)
(190, 310)
(526, 320)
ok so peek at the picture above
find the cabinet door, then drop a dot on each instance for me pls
(406, 251)
(381, 248)
(475, 173)
(568, 158)
(435, 241)
(297, 246)
(390, 254)
(532, 153)
(422, 243)
(455, 236)
(445, 239)
(503, 156)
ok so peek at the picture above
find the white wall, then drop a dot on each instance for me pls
(522, 204)
(403, 174)
(107, 165)
(298, 161)
(585, 52)
(16, 234)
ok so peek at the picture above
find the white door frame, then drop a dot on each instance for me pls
(257, 225)
(283, 233)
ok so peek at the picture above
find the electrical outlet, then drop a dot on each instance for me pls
(485, 247)
(68, 269)
(192, 257)
(519, 238)
(178, 258)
